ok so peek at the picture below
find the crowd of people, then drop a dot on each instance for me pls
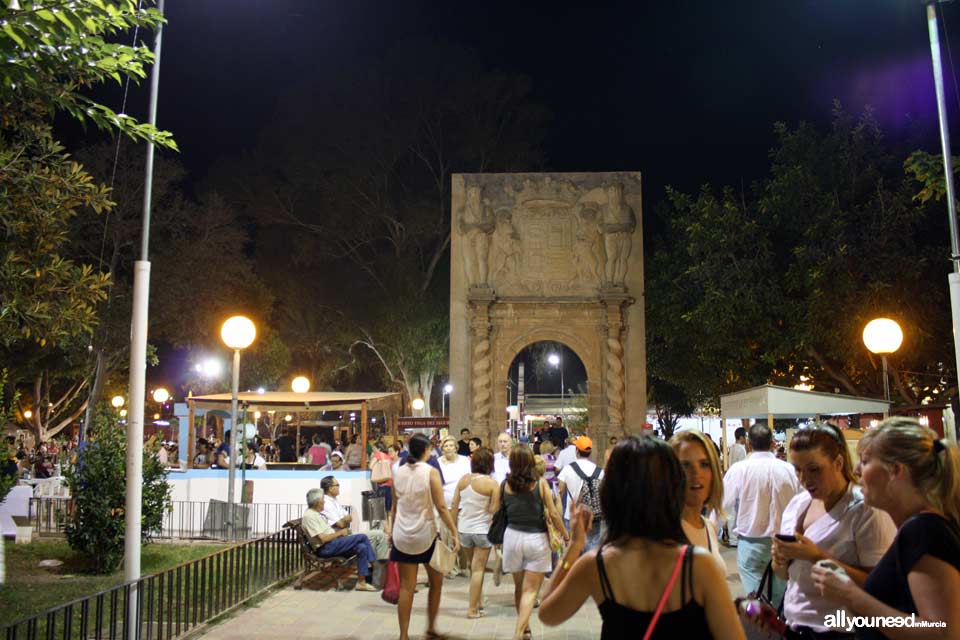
(814, 537)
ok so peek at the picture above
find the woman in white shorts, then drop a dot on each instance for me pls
(476, 499)
(526, 544)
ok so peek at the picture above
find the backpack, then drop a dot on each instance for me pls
(590, 491)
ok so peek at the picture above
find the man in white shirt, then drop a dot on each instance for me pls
(572, 484)
(501, 459)
(327, 542)
(759, 489)
(735, 453)
(738, 450)
(566, 455)
(338, 517)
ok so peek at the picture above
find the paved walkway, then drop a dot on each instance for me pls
(318, 613)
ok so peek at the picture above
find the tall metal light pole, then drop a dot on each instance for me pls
(237, 333)
(953, 278)
(557, 361)
(133, 504)
(447, 388)
(883, 336)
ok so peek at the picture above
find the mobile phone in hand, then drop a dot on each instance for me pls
(785, 538)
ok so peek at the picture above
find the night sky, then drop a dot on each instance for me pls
(685, 92)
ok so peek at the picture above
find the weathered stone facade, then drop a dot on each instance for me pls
(547, 257)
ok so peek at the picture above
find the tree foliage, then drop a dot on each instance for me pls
(44, 296)
(355, 188)
(96, 527)
(54, 50)
(768, 285)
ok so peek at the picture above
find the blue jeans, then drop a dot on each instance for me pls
(347, 546)
(753, 555)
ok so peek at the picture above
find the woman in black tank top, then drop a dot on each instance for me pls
(646, 580)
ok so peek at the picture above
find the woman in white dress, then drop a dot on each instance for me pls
(417, 492)
(698, 457)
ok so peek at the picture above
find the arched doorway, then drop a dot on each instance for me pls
(555, 257)
(546, 379)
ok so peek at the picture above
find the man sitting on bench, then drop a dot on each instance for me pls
(337, 517)
(328, 543)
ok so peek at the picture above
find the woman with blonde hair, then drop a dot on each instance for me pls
(704, 489)
(827, 521)
(646, 580)
(907, 471)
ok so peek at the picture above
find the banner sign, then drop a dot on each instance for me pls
(424, 423)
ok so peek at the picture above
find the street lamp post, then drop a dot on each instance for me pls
(237, 333)
(883, 336)
(555, 360)
(447, 388)
(953, 279)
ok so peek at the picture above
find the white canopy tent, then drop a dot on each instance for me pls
(770, 402)
(311, 401)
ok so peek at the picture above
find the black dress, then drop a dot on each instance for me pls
(619, 621)
(924, 533)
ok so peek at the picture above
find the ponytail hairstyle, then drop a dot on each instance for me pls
(831, 442)
(934, 464)
(419, 443)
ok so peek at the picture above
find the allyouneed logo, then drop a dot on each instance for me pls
(840, 620)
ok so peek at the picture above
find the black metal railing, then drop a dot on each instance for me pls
(184, 519)
(174, 602)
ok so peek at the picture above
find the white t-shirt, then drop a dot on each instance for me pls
(738, 452)
(565, 457)
(705, 538)
(450, 473)
(333, 511)
(851, 532)
(574, 484)
(757, 490)
(501, 467)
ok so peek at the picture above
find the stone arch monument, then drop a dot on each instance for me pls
(547, 257)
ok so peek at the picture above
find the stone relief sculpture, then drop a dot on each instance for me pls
(617, 222)
(588, 246)
(476, 226)
(506, 249)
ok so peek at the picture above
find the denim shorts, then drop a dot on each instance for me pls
(474, 541)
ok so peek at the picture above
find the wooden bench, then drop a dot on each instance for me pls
(312, 563)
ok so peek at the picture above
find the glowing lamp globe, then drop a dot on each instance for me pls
(238, 332)
(447, 389)
(300, 384)
(117, 401)
(882, 336)
(28, 414)
(418, 404)
(161, 395)
(553, 359)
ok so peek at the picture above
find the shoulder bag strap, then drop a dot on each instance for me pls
(666, 592)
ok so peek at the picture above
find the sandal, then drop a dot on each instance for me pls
(474, 616)
(433, 635)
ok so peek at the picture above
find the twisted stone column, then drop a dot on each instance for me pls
(614, 378)
(480, 361)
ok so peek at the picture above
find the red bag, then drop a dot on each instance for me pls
(391, 585)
